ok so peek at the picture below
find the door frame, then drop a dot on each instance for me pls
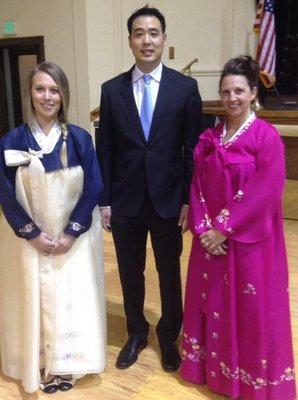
(18, 46)
(27, 43)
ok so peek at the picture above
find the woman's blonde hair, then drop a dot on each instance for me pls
(61, 81)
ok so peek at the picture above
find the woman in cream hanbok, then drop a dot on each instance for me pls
(52, 300)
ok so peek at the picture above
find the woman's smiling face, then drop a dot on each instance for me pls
(236, 96)
(46, 97)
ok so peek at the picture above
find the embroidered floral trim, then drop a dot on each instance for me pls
(202, 200)
(239, 196)
(75, 226)
(28, 228)
(223, 218)
(197, 352)
(69, 335)
(250, 289)
(69, 356)
(48, 346)
(257, 383)
(216, 315)
(240, 131)
(205, 223)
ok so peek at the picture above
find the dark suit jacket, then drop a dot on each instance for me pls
(160, 167)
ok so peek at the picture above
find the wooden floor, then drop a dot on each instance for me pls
(146, 380)
(290, 201)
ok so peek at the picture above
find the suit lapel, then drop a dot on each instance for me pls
(129, 100)
(161, 101)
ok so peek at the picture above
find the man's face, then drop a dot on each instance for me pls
(147, 42)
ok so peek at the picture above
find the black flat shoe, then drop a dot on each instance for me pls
(49, 387)
(65, 384)
(170, 357)
(129, 353)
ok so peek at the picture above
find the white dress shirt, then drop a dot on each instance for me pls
(138, 84)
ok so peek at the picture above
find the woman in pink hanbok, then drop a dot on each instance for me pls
(237, 335)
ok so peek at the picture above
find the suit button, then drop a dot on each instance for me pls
(147, 151)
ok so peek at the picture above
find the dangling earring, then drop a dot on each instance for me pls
(255, 104)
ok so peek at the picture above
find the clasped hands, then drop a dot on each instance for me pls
(213, 242)
(45, 245)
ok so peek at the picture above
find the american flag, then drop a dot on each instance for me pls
(259, 16)
(266, 55)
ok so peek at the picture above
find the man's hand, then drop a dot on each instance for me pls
(105, 214)
(183, 218)
(43, 243)
(63, 244)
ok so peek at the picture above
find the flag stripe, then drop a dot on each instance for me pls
(266, 53)
(267, 48)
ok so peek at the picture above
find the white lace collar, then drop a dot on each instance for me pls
(46, 142)
(243, 128)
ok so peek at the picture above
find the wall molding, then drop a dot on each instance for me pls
(118, 39)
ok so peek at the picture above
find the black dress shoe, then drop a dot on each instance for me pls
(170, 357)
(65, 384)
(49, 387)
(129, 354)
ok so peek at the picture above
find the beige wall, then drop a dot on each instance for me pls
(211, 30)
(63, 25)
(88, 39)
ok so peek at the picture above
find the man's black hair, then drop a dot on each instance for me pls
(146, 11)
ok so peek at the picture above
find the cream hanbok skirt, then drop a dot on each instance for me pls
(52, 308)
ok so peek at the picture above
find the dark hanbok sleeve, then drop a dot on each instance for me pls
(81, 217)
(248, 216)
(15, 215)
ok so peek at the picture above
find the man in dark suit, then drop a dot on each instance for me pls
(150, 120)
